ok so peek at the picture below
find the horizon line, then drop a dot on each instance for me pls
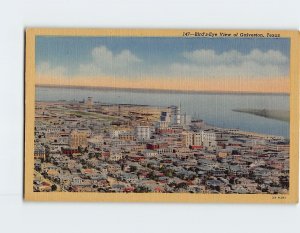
(160, 90)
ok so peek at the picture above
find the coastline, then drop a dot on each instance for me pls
(206, 125)
(281, 115)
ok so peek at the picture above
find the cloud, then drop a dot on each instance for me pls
(203, 63)
(208, 63)
(45, 68)
(234, 57)
(105, 62)
(102, 55)
(246, 69)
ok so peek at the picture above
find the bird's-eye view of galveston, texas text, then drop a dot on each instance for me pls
(161, 115)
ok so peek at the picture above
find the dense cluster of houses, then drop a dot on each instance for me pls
(92, 147)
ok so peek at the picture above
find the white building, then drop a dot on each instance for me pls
(116, 132)
(142, 132)
(185, 119)
(197, 139)
(53, 130)
(150, 153)
(209, 138)
(162, 124)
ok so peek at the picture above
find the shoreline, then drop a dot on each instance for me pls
(281, 115)
(207, 125)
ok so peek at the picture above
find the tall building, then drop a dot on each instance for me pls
(208, 138)
(175, 115)
(187, 139)
(165, 117)
(142, 132)
(191, 139)
(165, 120)
(185, 119)
(197, 139)
(78, 138)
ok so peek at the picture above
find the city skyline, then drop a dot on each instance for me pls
(86, 146)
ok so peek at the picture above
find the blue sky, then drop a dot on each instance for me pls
(128, 57)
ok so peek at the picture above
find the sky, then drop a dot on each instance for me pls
(196, 64)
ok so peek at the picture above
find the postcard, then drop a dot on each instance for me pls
(158, 115)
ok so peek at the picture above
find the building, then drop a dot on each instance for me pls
(78, 138)
(39, 152)
(212, 138)
(89, 102)
(209, 138)
(187, 139)
(150, 153)
(154, 146)
(115, 156)
(162, 124)
(87, 131)
(197, 139)
(116, 132)
(142, 132)
(126, 136)
(197, 124)
(69, 151)
(165, 117)
(96, 141)
(191, 139)
(185, 119)
(175, 115)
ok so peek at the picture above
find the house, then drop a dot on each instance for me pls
(150, 153)
(115, 156)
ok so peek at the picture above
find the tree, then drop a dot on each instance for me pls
(152, 176)
(169, 173)
(53, 187)
(142, 189)
(91, 155)
(133, 168)
(80, 149)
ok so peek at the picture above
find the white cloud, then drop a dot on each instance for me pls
(102, 55)
(104, 61)
(45, 68)
(234, 57)
(246, 69)
(208, 63)
(197, 63)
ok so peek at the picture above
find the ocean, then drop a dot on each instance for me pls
(214, 108)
